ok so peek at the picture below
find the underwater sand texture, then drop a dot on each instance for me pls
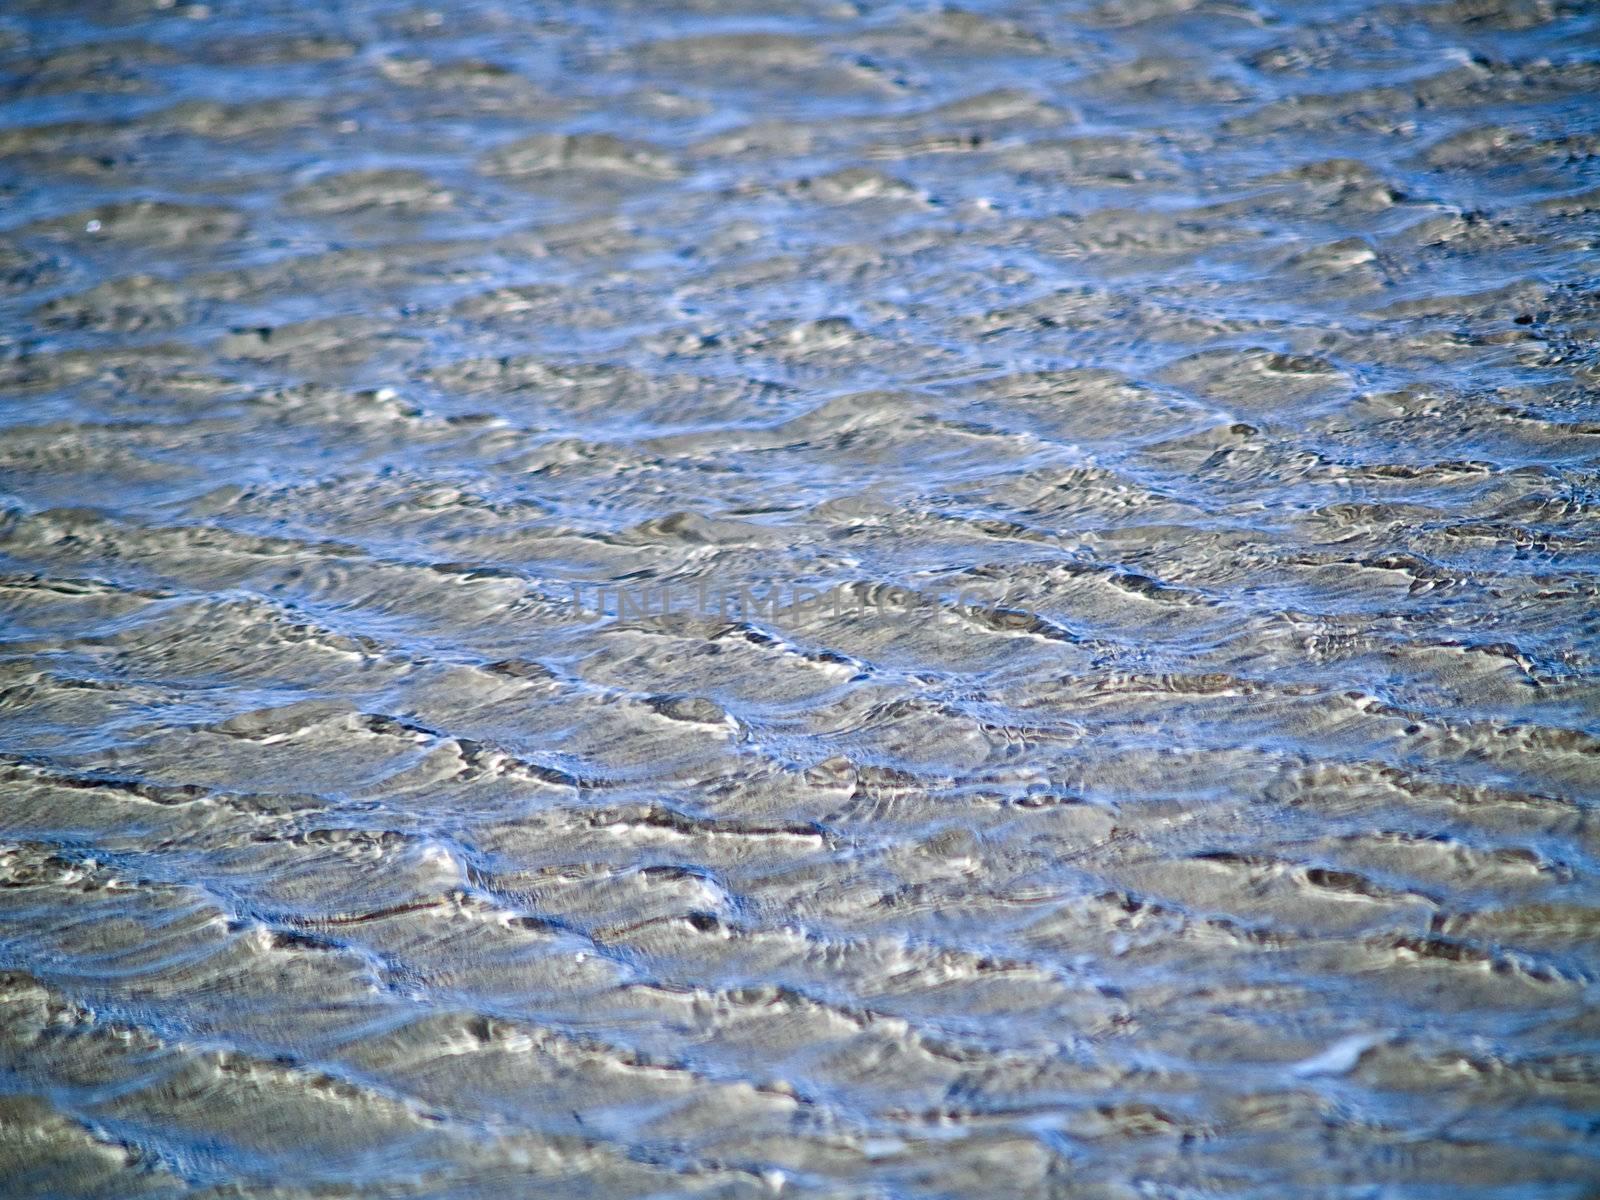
(1247, 349)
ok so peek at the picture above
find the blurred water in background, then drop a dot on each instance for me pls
(1248, 349)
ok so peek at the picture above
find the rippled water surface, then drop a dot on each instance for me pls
(1248, 847)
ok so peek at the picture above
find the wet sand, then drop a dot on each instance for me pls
(1246, 845)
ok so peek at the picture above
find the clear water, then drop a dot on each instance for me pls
(1245, 354)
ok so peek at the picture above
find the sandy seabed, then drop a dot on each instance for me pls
(1248, 349)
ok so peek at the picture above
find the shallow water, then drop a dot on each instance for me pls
(1242, 842)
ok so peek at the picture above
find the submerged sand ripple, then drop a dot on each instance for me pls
(1248, 848)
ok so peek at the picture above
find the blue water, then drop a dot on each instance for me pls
(1190, 411)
